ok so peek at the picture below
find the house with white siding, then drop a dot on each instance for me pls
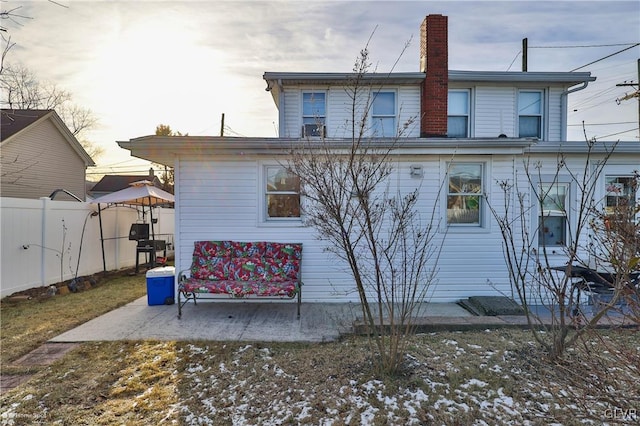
(470, 129)
(40, 155)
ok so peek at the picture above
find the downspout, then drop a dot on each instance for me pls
(564, 105)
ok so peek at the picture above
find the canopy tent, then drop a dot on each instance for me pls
(141, 193)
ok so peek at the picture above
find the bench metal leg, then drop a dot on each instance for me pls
(186, 299)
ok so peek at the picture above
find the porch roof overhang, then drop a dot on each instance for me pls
(165, 149)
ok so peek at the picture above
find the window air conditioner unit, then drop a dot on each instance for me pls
(313, 130)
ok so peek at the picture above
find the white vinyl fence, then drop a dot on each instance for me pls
(44, 242)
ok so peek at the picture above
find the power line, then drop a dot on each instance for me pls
(514, 59)
(618, 133)
(603, 124)
(228, 129)
(581, 46)
(120, 162)
(606, 57)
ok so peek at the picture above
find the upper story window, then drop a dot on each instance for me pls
(383, 114)
(458, 114)
(552, 216)
(313, 113)
(530, 114)
(464, 196)
(282, 193)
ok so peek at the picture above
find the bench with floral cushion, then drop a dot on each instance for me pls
(239, 269)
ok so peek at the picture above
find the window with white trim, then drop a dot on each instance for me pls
(458, 114)
(621, 209)
(530, 114)
(383, 115)
(553, 219)
(465, 194)
(281, 194)
(620, 193)
(314, 112)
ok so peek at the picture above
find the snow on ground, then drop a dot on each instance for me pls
(278, 396)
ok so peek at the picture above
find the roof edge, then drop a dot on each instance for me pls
(454, 75)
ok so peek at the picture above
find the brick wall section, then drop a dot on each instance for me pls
(434, 51)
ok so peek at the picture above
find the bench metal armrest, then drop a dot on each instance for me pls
(184, 274)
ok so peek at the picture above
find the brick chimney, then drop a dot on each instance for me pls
(434, 61)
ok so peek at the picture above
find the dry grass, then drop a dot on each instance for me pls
(26, 325)
(453, 378)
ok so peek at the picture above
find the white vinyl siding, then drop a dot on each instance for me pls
(292, 122)
(553, 116)
(409, 110)
(339, 110)
(219, 198)
(494, 112)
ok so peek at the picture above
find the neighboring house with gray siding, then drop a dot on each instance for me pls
(39, 155)
(112, 183)
(473, 131)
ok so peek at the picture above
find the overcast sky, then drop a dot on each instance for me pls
(137, 64)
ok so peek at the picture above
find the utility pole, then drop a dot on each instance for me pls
(525, 48)
(222, 125)
(632, 95)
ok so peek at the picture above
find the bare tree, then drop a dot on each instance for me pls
(21, 89)
(594, 370)
(588, 247)
(391, 251)
(12, 16)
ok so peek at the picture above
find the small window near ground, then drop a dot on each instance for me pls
(552, 219)
(282, 195)
(464, 198)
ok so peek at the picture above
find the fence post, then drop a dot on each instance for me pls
(46, 205)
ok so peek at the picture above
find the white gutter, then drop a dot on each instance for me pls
(564, 105)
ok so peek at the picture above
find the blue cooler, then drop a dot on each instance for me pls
(160, 289)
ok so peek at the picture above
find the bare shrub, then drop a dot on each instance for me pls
(390, 250)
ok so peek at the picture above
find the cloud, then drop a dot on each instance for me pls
(183, 63)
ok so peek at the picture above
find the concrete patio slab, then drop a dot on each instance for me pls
(233, 320)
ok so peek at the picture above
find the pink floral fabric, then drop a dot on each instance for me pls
(241, 288)
(243, 268)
